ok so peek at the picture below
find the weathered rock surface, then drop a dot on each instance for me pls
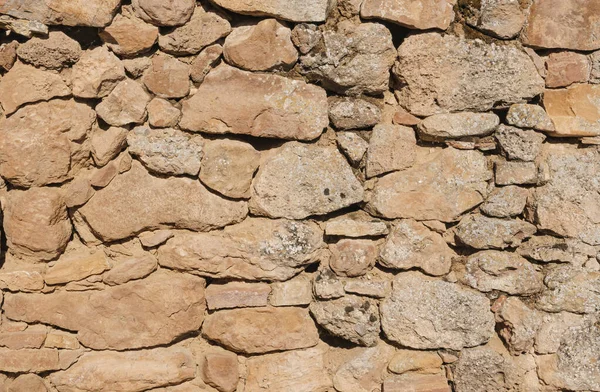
(518, 144)
(353, 257)
(29, 360)
(574, 111)
(220, 370)
(412, 360)
(566, 68)
(255, 249)
(356, 224)
(352, 146)
(94, 13)
(505, 202)
(272, 106)
(424, 313)
(500, 18)
(295, 10)
(205, 62)
(447, 73)
(261, 330)
(448, 184)
(141, 313)
(361, 369)
(482, 232)
(518, 324)
(551, 249)
(391, 148)
(422, 14)
(456, 125)
(28, 382)
(164, 13)
(21, 280)
(76, 265)
(167, 77)
(516, 173)
(116, 212)
(301, 181)
(570, 289)
(56, 51)
(128, 35)
(162, 114)
(107, 144)
(237, 295)
(294, 292)
(353, 113)
(524, 115)
(96, 73)
(133, 268)
(126, 104)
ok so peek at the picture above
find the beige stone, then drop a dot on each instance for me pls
(503, 19)
(447, 184)
(518, 324)
(352, 257)
(164, 13)
(135, 201)
(32, 337)
(353, 113)
(76, 264)
(505, 202)
(457, 125)
(574, 111)
(261, 330)
(137, 314)
(356, 224)
(515, 173)
(482, 232)
(78, 192)
(352, 145)
(57, 50)
(8, 55)
(370, 285)
(61, 340)
(27, 382)
(260, 47)
(415, 361)
(26, 84)
(417, 383)
(151, 239)
(237, 295)
(136, 66)
(570, 289)
(136, 267)
(204, 28)
(94, 13)
(21, 280)
(327, 285)
(552, 249)
(126, 104)
(206, 60)
(220, 370)
(519, 144)
(128, 35)
(295, 10)
(566, 68)
(96, 73)
(132, 371)
(107, 144)
(362, 369)
(256, 249)
(306, 36)
(422, 14)
(234, 101)
(391, 148)
(293, 292)
(29, 360)
(228, 167)
(162, 114)
(524, 115)
(302, 180)
(103, 176)
(411, 244)
(36, 223)
(167, 77)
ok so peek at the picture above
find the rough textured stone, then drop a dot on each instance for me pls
(422, 14)
(352, 145)
(518, 144)
(132, 371)
(295, 10)
(203, 29)
(524, 115)
(220, 370)
(391, 148)
(228, 167)
(26, 84)
(294, 292)
(302, 180)
(94, 13)
(551, 249)
(107, 144)
(417, 383)
(75, 265)
(136, 201)
(411, 244)
(574, 111)
(415, 361)
(456, 125)
(125, 104)
(234, 101)
(255, 249)
(353, 113)
(261, 330)
(516, 173)
(167, 77)
(29, 360)
(27, 382)
(128, 35)
(362, 369)
(205, 62)
(166, 151)
(8, 55)
(482, 232)
(96, 73)
(449, 183)
(55, 51)
(164, 13)
(353, 257)
(518, 324)
(447, 73)
(560, 24)
(356, 224)
(306, 36)
(505, 202)
(133, 268)
(500, 18)
(162, 114)
(566, 68)
(423, 313)
(570, 289)
(237, 295)
(260, 47)
(21, 280)
(354, 59)
(137, 314)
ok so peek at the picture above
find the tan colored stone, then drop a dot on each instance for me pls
(107, 144)
(237, 295)
(26, 84)
(256, 249)
(260, 47)
(228, 167)
(482, 232)
(570, 289)
(422, 14)
(327, 285)
(549, 249)
(162, 114)
(205, 62)
(167, 77)
(447, 74)
(220, 370)
(164, 13)
(457, 125)
(32, 337)
(76, 264)
(29, 360)
(519, 144)
(94, 13)
(574, 111)
(559, 24)
(141, 313)
(518, 324)
(293, 292)
(353, 113)
(361, 369)
(411, 244)
(505, 202)
(36, 223)
(135, 201)
(566, 68)
(355, 224)
(515, 173)
(96, 73)
(205, 28)
(103, 176)
(371, 285)
(306, 36)
(125, 104)
(415, 361)
(554, 326)
(352, 145)
(151, 239)
(524, 115)
(27, 382)
(402, 117)
(131, 371)
(133, 268)
(503, 19)
(234, 101)
(57, 50)
(353, 257)
(21, 280)
(295, 10)
(127, 35)
(136, 66)
(62, 340)
(417, 383)
(442, 187)
(261, 330)
(391, 148)
(8, 55)
(302, 180)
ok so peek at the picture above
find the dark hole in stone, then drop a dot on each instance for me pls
(349, 309)
(343, 195)
(326, 192)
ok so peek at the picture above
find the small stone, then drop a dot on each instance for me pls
(595, 67)
(505, 202)
(62, 340)
(353, 257)
(524, 115)
(294, 292)
(353, 113)
(455, 317)
(103, 176)
(306, 36)
(130, 269)
(570, 289)
(351, 318)
(162, 114)
(78, 192)
(228, 167)
(96, 73)
(204, 28)
(518, 144)
(205, 62)
(356, 224)
(167, 77)
(27, 382)
(76, 265)
(8, 55)
(25, 281)
(516, 173)
(220, 370)
(128, 35)
(126, 104)
(554, 326)
(237, 295)
(391, 148)
(566, 68)
(362, 369)
(107, 144)
(94, 13)
(402, 117)
(548, 249)
(326, 285)
(136, 66)
(261, 330)
(415, 361)
(368, 286)
(56, 51)
(457, 125)
(29, 360)
(422, 15)
(164, 13)
(264, 105)
(352, 145)
(294, 11)
(264, 46)
(518, 324)
(503, 19)
(482, 232)
(417, 383)
(32, 337)
(151, 239)
(411, 244)
(166, 151)
(575, 111)
(26, 84)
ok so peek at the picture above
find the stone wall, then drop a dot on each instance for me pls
(300, 195)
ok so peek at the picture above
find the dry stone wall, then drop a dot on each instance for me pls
(300, 195)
